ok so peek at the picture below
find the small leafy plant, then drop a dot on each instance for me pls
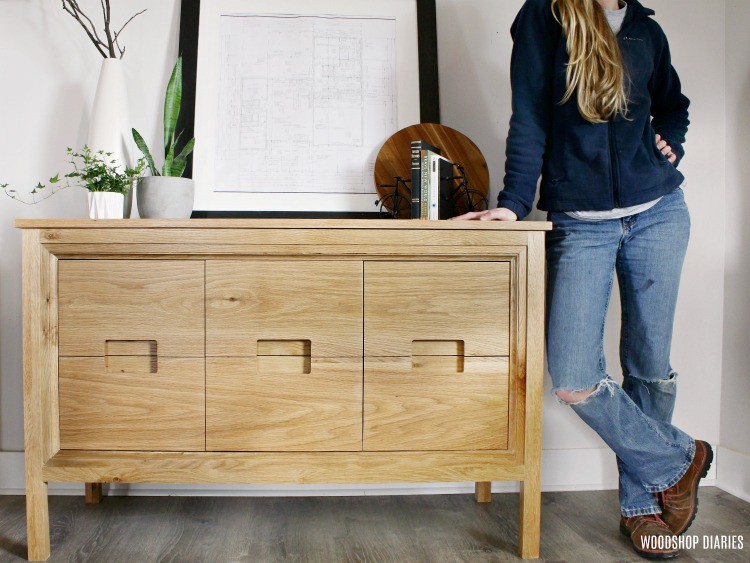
(174, 164)
(93, 171)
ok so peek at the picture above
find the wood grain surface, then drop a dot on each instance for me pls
(339, 224)
(282, 408)
(103, 300)
(132, 410)
(324, 237)
(421, 300)
(41, 435)
(267, 468)
(531, 487)
(425, 404)
(250, 301)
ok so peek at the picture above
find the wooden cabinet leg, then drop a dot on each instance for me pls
(483, 491)
(93, 493)
(37, 521)
(529, 526)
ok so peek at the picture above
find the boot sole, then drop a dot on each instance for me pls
(704, 472)
(645, 554)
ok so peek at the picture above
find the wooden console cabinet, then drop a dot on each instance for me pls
(282, 351)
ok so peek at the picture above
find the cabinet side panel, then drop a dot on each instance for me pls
(38, 368)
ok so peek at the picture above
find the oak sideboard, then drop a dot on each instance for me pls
(232, 351)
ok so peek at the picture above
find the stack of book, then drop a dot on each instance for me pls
(431, 182)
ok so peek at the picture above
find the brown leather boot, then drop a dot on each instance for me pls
(650, 536)
(680, 503)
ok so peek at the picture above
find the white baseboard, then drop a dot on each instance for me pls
(734, 473)
(562, 470)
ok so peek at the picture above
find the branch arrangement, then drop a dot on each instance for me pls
(109, 47)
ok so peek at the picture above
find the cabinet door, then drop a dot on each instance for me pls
(436, 347)
(311, 302)
(436, 403)
(131, 355)
(284, 403)
(122, 301)
(464, 303)
(284, 340)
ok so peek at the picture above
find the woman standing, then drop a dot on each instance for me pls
(598, 111)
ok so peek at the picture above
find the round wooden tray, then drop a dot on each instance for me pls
(394, 159)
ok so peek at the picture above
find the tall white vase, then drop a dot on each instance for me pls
(110, 127)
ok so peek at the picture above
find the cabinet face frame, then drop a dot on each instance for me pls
(72, 248)
(45, 245)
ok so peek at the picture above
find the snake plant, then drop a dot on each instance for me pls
(174, 164)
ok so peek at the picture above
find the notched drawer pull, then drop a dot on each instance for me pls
(131, 356)
(438, 365)
(284, 357)
(284, 348)
(437, 348)
(130, 348)
(439, 356)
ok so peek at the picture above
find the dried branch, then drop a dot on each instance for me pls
(111, 47)
(107, 30)
(127, 22)
(71, 8)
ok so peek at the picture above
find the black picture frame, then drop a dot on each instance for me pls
(429, 95)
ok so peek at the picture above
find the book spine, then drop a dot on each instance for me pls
(446, 189)
(416, 181)
(424, 184)
(434, 197)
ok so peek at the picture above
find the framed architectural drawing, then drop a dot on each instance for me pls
(292, 99)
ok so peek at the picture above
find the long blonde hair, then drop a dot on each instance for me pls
(595, 72)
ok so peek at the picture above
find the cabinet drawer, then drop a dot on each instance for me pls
(315, 302)
(281, 403)
(161, 301)
(436, 403)
(466, 303)
(132, 404)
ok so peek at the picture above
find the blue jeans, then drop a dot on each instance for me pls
(647, 251)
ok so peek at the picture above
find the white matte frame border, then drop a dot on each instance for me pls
(405, 14)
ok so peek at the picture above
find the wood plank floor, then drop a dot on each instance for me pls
(577, 527)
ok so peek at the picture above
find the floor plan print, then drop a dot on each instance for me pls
(304, 103)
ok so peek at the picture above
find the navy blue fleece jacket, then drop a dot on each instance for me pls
(586, 166)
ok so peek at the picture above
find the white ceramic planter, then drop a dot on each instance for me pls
(106, 205)
(110, 127)
(165, 197)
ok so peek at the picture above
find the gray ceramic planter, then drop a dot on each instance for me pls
(165, 197)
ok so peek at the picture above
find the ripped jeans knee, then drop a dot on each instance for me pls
(581, 397)
(655, 397)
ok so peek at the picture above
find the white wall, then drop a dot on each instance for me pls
(43, 109)
(49, 71)
(734, 470)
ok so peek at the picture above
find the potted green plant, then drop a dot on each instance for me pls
(96, 171)
(167, 194)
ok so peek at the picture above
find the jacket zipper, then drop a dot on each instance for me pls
(614, 165)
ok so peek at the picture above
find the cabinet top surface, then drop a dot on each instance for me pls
(280, 224)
